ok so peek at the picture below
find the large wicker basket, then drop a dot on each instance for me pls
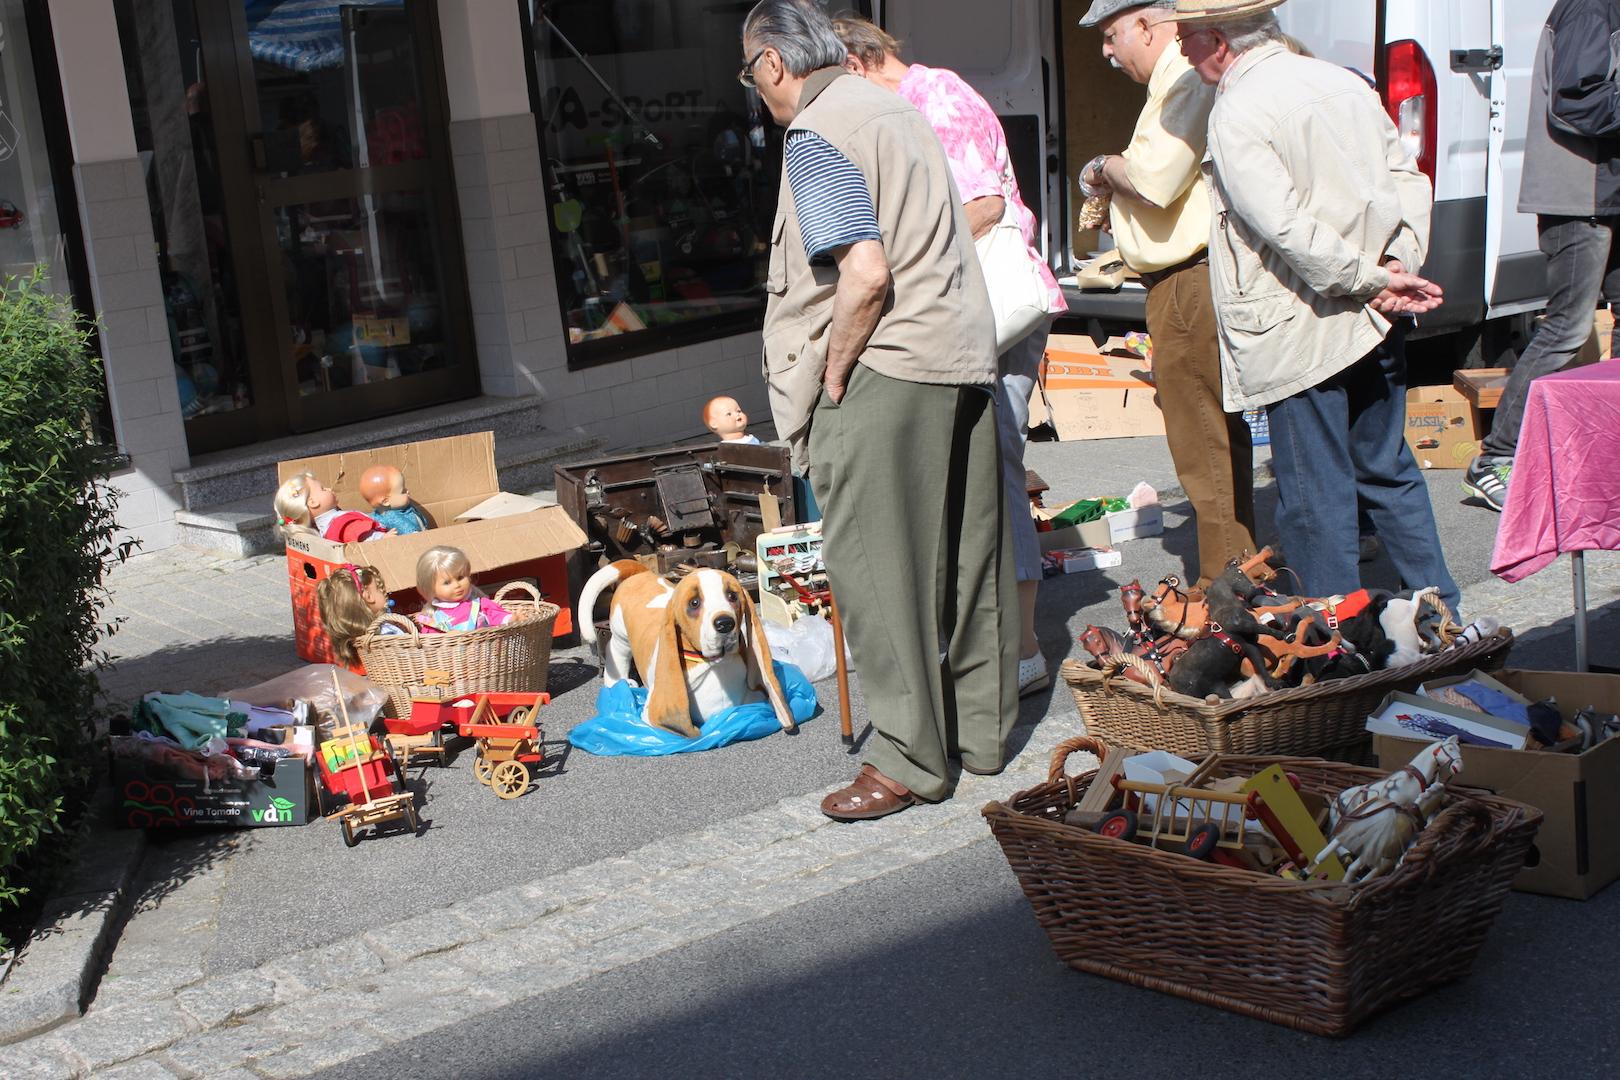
(1326, 719)
(1317, 956)
(511, 658)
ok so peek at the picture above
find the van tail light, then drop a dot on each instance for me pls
(1410, 97)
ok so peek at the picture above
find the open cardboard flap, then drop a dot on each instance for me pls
(447, 477)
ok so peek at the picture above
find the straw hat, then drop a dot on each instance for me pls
(1221, 10)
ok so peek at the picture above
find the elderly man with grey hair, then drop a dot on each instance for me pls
(880, 360)
(1318, 211)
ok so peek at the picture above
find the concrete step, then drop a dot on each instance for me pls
(247, 526)
(230, 476)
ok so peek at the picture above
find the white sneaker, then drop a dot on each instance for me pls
(1032, 675)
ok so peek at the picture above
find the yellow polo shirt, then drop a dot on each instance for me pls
(1163, 162)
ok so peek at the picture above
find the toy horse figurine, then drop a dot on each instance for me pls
(1372, 839)
(1104, 644)
(1286, 651)
(1182, 614)
(1436, 763)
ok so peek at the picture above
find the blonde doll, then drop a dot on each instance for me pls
(304, 504)
(450, 601)
(350, 599)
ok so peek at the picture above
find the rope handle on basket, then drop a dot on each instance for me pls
(1061, 752)
(393, 620)
(1114, 663)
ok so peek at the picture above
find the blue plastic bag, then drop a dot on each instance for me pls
(617, 728)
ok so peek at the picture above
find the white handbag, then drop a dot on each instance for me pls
(1018, 296)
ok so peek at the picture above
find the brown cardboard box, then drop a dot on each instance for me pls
(1093, 393)
(1109, 531)
(447, 477)
(1579, 793)
(1440, 427)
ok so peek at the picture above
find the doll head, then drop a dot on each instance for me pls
(301, 500)
(724, 417)
(349, 598)
(444, 574)
(383, 486)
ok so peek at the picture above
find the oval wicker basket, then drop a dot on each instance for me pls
(1313, 955)
(1326, 719)
(512, 658)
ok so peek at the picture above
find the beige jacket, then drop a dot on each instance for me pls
(1311, 191)
(936, 325)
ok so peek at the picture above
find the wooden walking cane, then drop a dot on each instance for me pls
(845, 724)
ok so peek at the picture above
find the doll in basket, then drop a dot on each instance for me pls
(305, 504)
(450, 601)
(350, 598)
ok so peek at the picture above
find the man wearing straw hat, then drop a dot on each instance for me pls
(1159, 216)
(1318, 212)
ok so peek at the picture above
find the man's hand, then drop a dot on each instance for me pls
(1406, 294)
(863, 284)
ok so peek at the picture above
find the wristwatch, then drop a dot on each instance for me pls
(1087, 189)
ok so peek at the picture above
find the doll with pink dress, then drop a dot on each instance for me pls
(450, 600)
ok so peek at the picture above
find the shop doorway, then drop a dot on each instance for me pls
(298, 166)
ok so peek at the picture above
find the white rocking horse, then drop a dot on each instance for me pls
(1371, 840)
(1436, 763)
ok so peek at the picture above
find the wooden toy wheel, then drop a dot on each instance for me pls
(483, 770)
(1201, 841)
(519, 715)
(351, 836)
(510, 779)
(1121, 825)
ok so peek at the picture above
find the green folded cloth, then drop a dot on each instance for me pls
(189, 719)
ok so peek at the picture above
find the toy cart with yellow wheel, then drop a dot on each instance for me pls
(508, 737)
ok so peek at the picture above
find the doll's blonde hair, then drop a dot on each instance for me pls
(292, 506)
(435, 559)
(344, 612)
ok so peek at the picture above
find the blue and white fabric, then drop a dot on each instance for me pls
(830, 194)
(301, 35)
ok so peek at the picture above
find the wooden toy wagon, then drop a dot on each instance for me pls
(420, 734)
(504, 727)
(357, 767)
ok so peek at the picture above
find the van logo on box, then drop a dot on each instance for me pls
(279, 810)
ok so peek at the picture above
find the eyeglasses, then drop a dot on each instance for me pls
(746, 75)
(1189, 35)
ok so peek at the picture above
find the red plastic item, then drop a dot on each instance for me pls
(378, 772)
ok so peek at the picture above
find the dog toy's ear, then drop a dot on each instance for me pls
(761, 674)
(668, 706)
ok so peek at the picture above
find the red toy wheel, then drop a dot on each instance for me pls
(1121, 825)
(1201, 842)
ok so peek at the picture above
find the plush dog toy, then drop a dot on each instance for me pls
(697, 643)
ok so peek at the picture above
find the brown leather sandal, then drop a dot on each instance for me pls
(872, 795)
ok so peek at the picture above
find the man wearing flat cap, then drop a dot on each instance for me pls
(1159, 216)
(1318, 212)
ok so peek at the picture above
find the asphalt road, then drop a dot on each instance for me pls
(289, 889)
(942, 971)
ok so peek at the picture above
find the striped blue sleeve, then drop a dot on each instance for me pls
(830, 194)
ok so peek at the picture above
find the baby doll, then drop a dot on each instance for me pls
(383, 486)
(724, 417)
(304, 503)
(450, 600)
(350, 599)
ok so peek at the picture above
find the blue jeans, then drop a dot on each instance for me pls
(1341, 442)
(1583, 263)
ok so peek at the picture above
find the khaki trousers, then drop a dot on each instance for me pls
(1210, 447)
(918, 551)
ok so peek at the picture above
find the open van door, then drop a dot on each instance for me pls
(1515, 269)
(1004, 50)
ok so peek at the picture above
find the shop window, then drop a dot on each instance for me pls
(661, 170)
(31, 233)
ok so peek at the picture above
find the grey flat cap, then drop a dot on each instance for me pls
(1107, 9)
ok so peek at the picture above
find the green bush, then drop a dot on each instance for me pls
(56, 539)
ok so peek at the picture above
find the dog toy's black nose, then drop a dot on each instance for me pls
(724, 624)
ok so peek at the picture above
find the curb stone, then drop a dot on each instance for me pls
(55, 972)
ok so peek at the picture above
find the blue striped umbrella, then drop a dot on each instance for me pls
(301, 35)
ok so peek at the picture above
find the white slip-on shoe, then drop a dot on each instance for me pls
(1032, 675)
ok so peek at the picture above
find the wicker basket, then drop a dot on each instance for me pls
(1317, 956)
(1326, 719)
(511, 658)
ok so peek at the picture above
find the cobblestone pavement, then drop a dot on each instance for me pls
(160, 1016)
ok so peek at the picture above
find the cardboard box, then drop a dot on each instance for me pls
(1440, 427)
(1093, 393)
(179, 794)
(1579, 841)
(1109, 531)
(1078, 560)
(447, 477)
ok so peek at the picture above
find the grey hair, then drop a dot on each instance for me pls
(799, 30)
(1249, 32)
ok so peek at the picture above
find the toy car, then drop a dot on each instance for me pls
(363, 773)
(504, 727)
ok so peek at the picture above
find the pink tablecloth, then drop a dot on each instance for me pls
(1564, 494)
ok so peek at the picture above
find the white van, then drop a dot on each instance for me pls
(1454, 76)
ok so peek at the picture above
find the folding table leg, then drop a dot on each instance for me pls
(1577, 570)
